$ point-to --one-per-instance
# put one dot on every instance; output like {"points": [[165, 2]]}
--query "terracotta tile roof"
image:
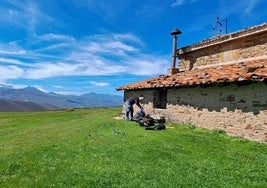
{"points": [[255, 71]]}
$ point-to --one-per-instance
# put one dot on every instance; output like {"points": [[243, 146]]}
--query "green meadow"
{"points": [[89, 148]]}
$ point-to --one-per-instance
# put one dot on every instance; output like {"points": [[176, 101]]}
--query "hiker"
{"points": [[129, 106]]}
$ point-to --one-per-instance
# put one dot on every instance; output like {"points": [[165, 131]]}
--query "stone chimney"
{"points": [[173, 69]]}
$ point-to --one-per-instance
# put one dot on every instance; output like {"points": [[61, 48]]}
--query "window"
{"points": [[160, 98]]}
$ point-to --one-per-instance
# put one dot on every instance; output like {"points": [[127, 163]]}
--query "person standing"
{"points": [[129, 106]]}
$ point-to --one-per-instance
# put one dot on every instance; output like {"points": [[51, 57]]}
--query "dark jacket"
{"points": [[134, 100]]}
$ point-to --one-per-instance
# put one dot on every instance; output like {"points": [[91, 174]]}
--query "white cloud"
{"points": [[10, 72], [57, 86], [119, 46], [69, 93], [32, 14], [96, 55], [48, 70], [11, 17], [58, 46], [23, 14], [10, 61], [181, 2], [14, 62], [127, 37], [148, 65], [11, 49], [111, 44], [53, 37], [177, 3], [99, 84], [51, 41]]}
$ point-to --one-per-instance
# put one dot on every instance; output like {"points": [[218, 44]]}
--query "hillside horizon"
{"points": [[13, 99]]}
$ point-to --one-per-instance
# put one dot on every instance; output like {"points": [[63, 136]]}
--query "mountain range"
{"points": [[30, 99]]}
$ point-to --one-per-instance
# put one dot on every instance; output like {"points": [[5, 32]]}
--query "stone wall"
{"points": [[241, 46], [245, 97], [240, 110]]}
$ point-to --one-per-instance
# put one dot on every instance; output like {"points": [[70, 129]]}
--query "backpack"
{"points": [[146, 121], [139, 115], [160, 126]]}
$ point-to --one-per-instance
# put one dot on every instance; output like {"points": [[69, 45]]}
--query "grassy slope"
{"points": [[87, 148]]}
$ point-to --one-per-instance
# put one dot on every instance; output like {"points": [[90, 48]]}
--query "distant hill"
{"points": [[10, 106], [53, 100]]}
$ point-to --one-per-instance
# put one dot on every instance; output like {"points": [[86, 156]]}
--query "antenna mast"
{"points": [[220, 23]]}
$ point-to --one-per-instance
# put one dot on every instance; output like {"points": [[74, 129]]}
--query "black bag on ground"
{"points": [[160, 126], [148, 121]]}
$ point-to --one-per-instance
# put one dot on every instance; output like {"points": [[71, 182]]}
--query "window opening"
{"points": [[160, 99]]}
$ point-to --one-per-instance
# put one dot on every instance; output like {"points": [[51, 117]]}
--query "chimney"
{"points": [[173, 69]]}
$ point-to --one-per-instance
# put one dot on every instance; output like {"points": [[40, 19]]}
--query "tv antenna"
{"points": [[219, 23]]}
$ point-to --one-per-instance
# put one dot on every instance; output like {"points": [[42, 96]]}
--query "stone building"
{"points": [[220, 83]]}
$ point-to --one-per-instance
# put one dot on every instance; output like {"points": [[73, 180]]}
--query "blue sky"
{"points": [[82, 46]]}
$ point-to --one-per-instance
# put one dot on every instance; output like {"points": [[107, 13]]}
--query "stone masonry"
{"points": [[215, 108], [245, 45]]}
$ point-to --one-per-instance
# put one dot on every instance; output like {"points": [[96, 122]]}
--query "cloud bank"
{"points": [[96, 55]]}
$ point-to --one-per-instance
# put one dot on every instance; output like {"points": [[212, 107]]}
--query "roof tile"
{"points": [[244, 71]]}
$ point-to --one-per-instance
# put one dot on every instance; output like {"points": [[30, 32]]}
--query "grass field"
{"points": [[87, 148]]}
